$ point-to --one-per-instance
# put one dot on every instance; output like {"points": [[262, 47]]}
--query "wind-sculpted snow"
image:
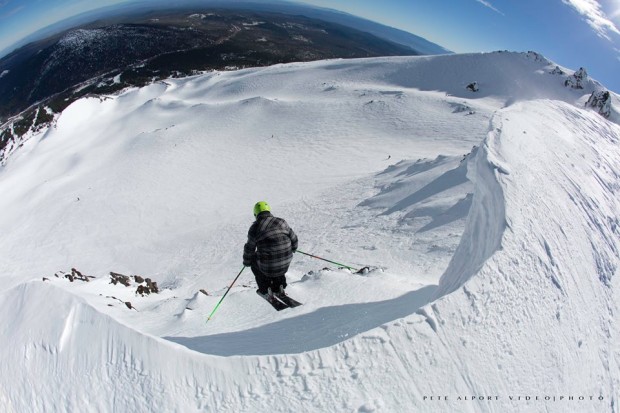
{"points": [[485, 224], [413, 188], [534, 282]]}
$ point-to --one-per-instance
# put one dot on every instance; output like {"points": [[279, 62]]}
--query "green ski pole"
{"points": [[333, 262], [224, 296]]}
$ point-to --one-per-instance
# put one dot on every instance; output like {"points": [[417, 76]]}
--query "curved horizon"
{"points": [[584, 34]]}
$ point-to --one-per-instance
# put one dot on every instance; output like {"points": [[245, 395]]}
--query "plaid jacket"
{"points": [[272, 242]]}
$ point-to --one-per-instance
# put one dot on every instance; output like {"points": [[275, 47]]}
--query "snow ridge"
{"points": [[547, 291], [485, 222]]}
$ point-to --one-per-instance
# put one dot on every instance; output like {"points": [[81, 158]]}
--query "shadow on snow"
{"points": [[322, 328]]}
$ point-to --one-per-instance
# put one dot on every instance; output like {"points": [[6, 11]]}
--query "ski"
{"points": [[291, 302], [275, 303]]}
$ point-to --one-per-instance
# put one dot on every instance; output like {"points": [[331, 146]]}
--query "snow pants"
{"points": [[265, 281]]}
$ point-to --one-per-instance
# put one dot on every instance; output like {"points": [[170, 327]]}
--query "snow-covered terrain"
{"points": [[490, 221]]}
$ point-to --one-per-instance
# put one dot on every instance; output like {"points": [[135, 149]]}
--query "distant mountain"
{"points": [[412, 41], [135, 49], [417, 43]]}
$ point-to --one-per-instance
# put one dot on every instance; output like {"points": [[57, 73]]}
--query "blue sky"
{"points": [[573, 33]]}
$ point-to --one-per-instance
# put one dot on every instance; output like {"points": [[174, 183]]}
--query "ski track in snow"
{"points": [[494, 272]]}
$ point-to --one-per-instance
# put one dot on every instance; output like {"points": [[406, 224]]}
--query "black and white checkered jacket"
{"points": [[272, 242]]}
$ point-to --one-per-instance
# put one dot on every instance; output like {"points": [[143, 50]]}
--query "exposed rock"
{"points": [[577, 79], [557, 71], [79, 276], [473, 87], [600, 100], [119, 278], [536, 56], [73, 275], [150, 287], [581, 74]]}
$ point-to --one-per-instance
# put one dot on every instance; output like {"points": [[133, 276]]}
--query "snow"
{"points": [[545, 274], [4, 73], [78, 37], [489, 219], [257, 23]]}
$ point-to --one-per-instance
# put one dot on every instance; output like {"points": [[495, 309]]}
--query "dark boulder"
{"points": [[473, 87], [577, 79], [601, 101]]}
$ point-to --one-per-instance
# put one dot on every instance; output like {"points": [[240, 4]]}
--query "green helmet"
{"points": [[261, 206]]}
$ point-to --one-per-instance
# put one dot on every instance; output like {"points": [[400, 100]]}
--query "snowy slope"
{"points": [[535, 291], [494, 268]]}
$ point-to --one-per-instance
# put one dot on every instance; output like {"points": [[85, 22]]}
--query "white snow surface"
{"points": [[490, 220]]}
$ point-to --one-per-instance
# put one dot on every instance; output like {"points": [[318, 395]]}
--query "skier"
{"points": [[269, 250]]}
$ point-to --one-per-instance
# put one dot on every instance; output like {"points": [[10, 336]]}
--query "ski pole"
{"points": [[224, 296], [333, 262]]}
